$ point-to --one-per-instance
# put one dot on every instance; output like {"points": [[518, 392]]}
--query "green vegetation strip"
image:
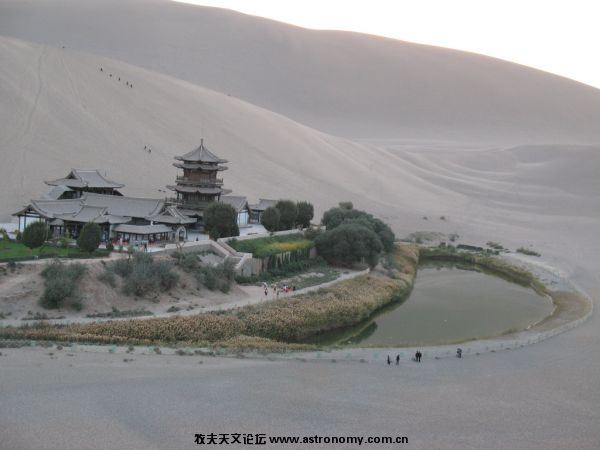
{"points": [[279, 324], [15, 251], [263, 247], [493, 265]]}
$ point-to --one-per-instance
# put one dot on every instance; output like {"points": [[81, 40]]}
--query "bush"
{"points": [[217, 277], [220, 219], [527, 251], [187, 261], [60, 284], [335, 217], [270, 219], [35, 234], [122, 267], [288, 213], [110, 247], [148, 276], [306, 212], [348, 244], [89, 238]]}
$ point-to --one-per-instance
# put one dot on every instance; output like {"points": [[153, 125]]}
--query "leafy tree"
{"points": [[306, 212], [348, 244], [271, 218], [35, 234], [346, 205], [288, 213], [89, 238], [220, 220], [335, 217]]}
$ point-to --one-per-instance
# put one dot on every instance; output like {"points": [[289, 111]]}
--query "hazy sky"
{"points": [[559, 36]]}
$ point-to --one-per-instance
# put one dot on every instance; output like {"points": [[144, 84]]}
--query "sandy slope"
{"points": [[347, 84], [60, 111]]}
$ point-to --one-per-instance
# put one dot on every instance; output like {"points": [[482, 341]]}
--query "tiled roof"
{"points": [[83, 178]]}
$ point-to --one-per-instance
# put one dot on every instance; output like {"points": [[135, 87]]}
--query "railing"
{"points": [[201, 181], [194, 205]]}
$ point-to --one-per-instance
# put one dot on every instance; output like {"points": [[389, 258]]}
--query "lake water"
{"points": [[449, 305]]}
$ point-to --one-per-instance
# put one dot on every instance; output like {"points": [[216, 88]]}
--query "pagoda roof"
{"points": [[199, 189], [201, 154], [202, 166], [84, 178]]}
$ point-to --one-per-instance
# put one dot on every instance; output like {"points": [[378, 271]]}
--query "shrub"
{"points": [[110, 247], [306, 213], [35, 234], [527, 251], [335, 217], [271, 218], [61, 283], [288, 213], [217, 277], [89, 238], [348, 244], [187, 261], [220, 219], [122, 267]]}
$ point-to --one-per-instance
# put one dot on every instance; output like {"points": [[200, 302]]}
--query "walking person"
{"points": [[418, 356], [397, 360], [459, 352], [389, 360]]}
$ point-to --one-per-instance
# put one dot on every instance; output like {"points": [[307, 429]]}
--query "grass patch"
{"points": [[15, 251], [493, 265], [115, 313], [268, 246]]}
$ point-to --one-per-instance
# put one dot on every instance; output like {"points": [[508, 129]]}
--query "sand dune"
{"points": [[61, 111], [347, 84]]}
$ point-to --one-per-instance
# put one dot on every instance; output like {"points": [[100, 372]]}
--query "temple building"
{"points": [[79, 181], [84, 196], [198, 186]]}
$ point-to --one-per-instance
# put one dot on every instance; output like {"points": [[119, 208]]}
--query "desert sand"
{"points": [[408, 132]]}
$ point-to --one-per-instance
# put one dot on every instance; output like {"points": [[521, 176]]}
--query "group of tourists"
{"points": [[277, 290], [418, 355], [417, 358]]}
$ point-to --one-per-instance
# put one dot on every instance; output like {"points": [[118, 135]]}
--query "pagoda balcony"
{"points": [[193, 204], [199, 182]]}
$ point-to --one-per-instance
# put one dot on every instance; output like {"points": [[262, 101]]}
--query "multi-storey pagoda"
{"points": [[199, 185]]}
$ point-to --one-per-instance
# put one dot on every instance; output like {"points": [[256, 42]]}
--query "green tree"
{"points": [[306, 212], [220, 220], [35, 234], [288, 214], [335, 217], [270, 219], [89, 238], [346, 205], [348, 244]]}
